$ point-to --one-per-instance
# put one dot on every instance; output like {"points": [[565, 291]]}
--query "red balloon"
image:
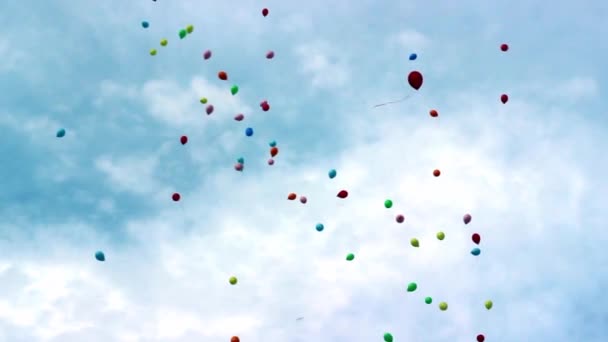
{"points": [[342, 194], [235, 339], [399, 218], [265, 12], [270, 55], [274, 151], [436, 173], [292, 196], [415, 79], [504, 47], [504, 98], [222, 75], [176, 197], [433, 113], [239, 117], [476, 238], [183, 139], [265, 107], [238, 167], [480, 338]]}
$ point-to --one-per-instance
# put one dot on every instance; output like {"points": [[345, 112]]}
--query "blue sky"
{"points": [[530, 172]]}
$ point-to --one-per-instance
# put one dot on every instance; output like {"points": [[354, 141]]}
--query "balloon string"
{"points": [[391, 102]]}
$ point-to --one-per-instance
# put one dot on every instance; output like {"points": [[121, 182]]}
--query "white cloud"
{"points": [[130, 174], [412, 40], [325, 64], [12, 58]]}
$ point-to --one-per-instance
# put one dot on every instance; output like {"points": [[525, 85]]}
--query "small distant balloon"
{"points": [[60, 133], [203, 100], [319, 227], [152, 52], [265, 106], [270, 161], [265, 11], [440, 236], [342, 194], [504, 98], [476, 238], [303, 199], [399, 218], [274, 151], [234, 90], [413, 57], [145, 24], [209, 109], [428, 300], [488, 304], [183, 139], [100, 256], [239, 117], [443, 306], [411, 287], [272, 143], [233, 280], [270, 54], [176, 197], [504, 47], [414, 242], [415, 79], [239, 167], [292, 196], [466, 218], [388, 337], [388, 204], [249, 131], [350, 257], [436, 173], [164, 42], [332, 174], [481, 338], [222, 75], [433, 113], [207, 54], [182, 34], [475, 251], [189, 28], [240, 160], [235, 339]]}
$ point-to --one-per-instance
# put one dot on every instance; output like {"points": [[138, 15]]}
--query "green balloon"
{"points": [[412, 287], [388, 204], [153, 52], [203, 100], [164, 42], [428, 300], [182, 34], [414, 242], [234, 89], [388, 337], [190, 28], [489, 304], [440, 236], [443, 306], [233, 280], [350, 257]]}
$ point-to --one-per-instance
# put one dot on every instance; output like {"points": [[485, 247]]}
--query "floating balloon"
{"points": [[388, 204], [466, 218], [476, 238], [209, 109], [414, 242], [271, 161], [476, 251], [504, 47], [443, 306], [153, 52], [60, 133], [504, 98], [350, 257], [388, 337], [342, 194], [303, 199], [176, 197], [164, 42], [203, 100], [428, 300], [265, 106], [270, 54], [235, 339], [440, 236], [249, 131], [239, 117], [274, 151], [207, 54], [415, 79], [241, 160], [411, 287], [413, 57], [189, 28], [100, 256], [222, 75], [145, 24], [332, 173], [436, 173], [319, 227], [182, 34], [481, 338], [233, 280], [265, 11], [399, 218], [234, 90], [239, 167], [183, 140], [292, 196], [272, 143], [433, 113], [488, 304]]}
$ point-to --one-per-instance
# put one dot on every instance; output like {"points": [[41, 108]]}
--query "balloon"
{"points": [[319, 227], [388, 204], [176, 197], [428, 300], [233, 280], [203, 100], [60, 133], [476, 251], [189, 28], [239, 117], [411, 287], [164, 42], [433, 113], [342, 194], [234, 89], [504, 47], [249, 131], [443, 306], [270, 54], [209, 109], [222, 75], [241, 160], [182, 34], [399, 218], [183, 139], [504, 98], [436, 173], [235, 339], [100, 256], [265, 106], [207, 54], [350, 257], [414, 242], [270, 161], [145, 24], [272, 143], [332, 173], [476, 238], [488, 304], [153, 52], [466, 218], [265, 11], [388, 337], [413, 57], [303, 199], [440, 236], [274, 151], [292, 196], [415, 79], [481, 338], [239, 167]]}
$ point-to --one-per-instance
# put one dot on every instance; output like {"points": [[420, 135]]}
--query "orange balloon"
{"points": [[274, 151], [235, 339], [433, 113], [222, 75], [292, 196]]}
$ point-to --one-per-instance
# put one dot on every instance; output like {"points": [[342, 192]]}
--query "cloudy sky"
{"points": [[531, 172]]}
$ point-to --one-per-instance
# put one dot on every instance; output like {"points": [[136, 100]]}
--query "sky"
{"points": [[530, 172]]}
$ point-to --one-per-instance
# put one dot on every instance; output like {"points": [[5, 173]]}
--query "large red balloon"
{"points": [[415, 79]]}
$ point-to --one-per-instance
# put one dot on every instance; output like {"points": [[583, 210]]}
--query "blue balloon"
{"points": [[249, 131], [100, 256], [145, 24], [61, 133], [476, 251], [319, 227], [272, 143], [332, 173], [241, 160], [413, 57]]}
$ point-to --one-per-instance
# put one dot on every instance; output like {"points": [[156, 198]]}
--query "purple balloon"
{"points": [[239, 117], [466, 218], [207, 54], [270, 161], [238, 167], [209, 109], [270, 54], [303, 199]]}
